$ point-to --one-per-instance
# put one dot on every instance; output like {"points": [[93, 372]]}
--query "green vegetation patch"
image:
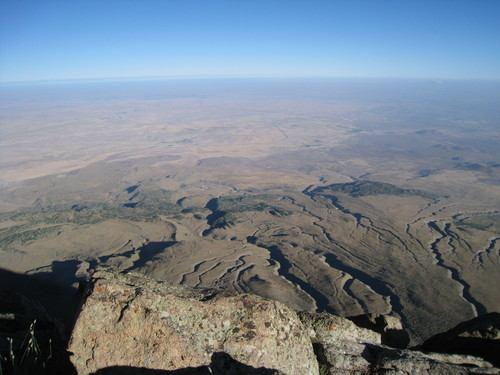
{"points": [[150, 207], [363, 188], [39, 222], [246, 203], [224, 220], [225, 210], [487, 222], [20, 234]]}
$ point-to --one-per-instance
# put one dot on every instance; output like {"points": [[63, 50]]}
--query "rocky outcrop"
{"points": [[479, 336], [132, 321], [129, 322]]}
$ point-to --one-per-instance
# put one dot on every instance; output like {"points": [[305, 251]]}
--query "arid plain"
{"points": [[348, 196]]}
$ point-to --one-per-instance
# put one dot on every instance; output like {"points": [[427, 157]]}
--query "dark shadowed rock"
{"points": [[479, 336], [394, 361], [344, 348]]}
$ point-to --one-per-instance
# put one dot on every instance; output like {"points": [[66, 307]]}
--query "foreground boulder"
{"points": [[131, 324], [135, 322]]}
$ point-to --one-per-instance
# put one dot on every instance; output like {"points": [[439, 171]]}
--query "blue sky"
{"points": [[46, 40]]}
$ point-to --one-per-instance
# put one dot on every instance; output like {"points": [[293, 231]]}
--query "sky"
{"points": [[64, 40]]}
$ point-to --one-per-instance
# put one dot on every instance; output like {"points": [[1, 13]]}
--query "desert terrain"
{"points": [[346, 196]]}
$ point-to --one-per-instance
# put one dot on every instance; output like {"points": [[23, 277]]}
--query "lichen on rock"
{"points": [[128, 320]]}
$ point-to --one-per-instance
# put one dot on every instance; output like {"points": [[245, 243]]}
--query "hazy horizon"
{"points": [[131, 79]]}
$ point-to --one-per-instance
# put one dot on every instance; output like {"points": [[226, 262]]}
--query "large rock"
{"points": [[132, 321], [131, 324], [479, 336]]}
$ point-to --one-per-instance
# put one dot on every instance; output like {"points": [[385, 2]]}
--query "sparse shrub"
{"points": [[28, 358]]}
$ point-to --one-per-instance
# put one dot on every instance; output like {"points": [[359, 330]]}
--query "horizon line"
{"points": [[222, 76]]}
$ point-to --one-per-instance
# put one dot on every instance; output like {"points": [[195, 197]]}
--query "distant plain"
{"points": [[349, 196]]}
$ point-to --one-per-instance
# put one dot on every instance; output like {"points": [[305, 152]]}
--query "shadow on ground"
{"points": [[221, 364]]}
